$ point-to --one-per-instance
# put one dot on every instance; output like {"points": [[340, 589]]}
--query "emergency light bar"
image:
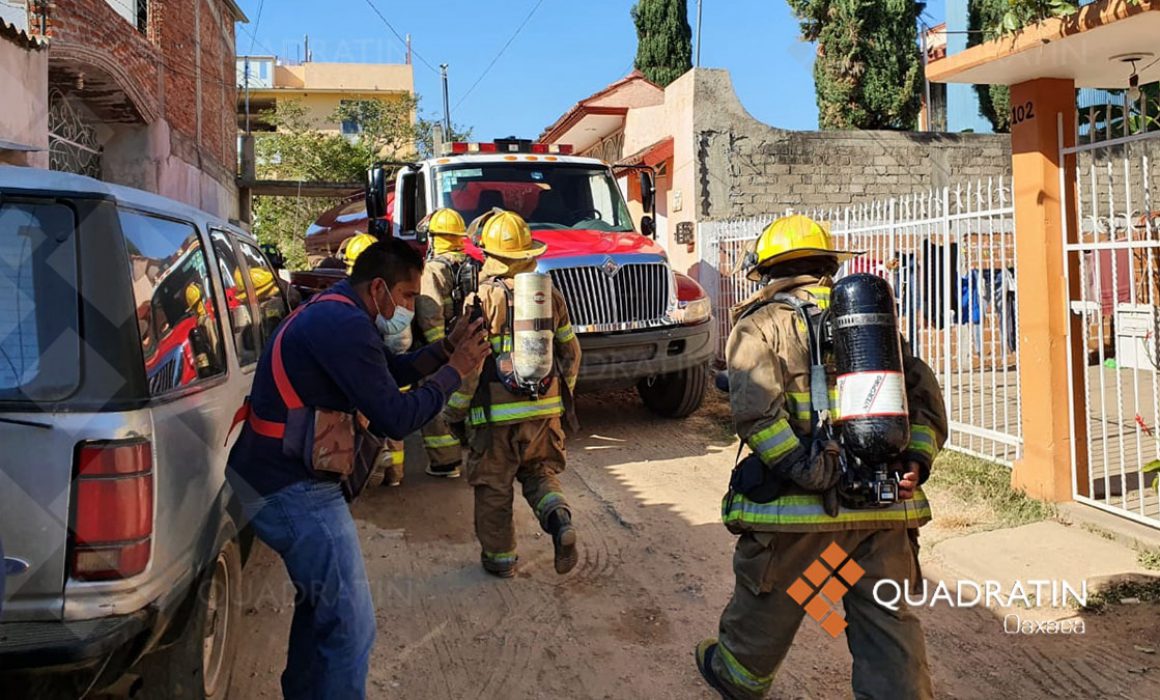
{"points": [[459, 148]]}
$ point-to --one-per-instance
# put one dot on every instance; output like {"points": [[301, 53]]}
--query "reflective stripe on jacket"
{"points": [[434, 307]]}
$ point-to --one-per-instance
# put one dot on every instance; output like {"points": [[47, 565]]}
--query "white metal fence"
{"points": [[950, 256], [1112, 264]]}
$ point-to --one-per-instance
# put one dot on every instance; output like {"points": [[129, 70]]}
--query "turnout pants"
{"points": [[443, 449], [532, 453], [759, 624]]}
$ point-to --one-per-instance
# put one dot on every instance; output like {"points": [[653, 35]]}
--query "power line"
{"points": [[400, 37], [501, 52], [257, 24]]}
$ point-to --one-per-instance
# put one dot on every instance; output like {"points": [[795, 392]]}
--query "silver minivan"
{"points": [[130, 327]]}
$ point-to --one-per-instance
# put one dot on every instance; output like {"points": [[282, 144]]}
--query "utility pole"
{"points": [[246, 73], [408, 49], [698, 63], [928, 112], [446, 102]]}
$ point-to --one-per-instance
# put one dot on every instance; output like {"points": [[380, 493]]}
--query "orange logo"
{"points": [[823, 584]]}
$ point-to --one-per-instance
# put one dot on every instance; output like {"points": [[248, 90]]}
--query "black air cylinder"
{"points": [[871, 404]]}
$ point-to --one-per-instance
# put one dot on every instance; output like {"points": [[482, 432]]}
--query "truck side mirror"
{"points": [[648, 227], [647, 191], [376, 197]]}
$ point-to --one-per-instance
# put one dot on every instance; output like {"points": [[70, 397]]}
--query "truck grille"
{"points": [[165, 377], [634, 296]]}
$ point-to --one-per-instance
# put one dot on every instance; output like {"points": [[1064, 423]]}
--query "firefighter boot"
{"points": [[563, 539], [499, 565], [704, 654]]}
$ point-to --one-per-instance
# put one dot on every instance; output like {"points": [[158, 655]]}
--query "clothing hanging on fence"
{"points": [[1104, 286], [938, 283]]}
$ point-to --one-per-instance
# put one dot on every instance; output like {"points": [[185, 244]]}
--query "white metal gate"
{"points": [[1116, 253], [950, 256]]}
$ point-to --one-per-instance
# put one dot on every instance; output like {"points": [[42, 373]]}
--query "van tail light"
{"points": [[112, 510]]}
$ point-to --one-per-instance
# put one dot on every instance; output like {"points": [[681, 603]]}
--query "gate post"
{"points": [[1045, 208]]}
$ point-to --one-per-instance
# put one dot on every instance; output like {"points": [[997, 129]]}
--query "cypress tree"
{"points": [[664, 49], [868, 71]]}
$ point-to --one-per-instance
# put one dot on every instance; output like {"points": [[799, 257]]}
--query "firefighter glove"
{"points": [[819, 471]]}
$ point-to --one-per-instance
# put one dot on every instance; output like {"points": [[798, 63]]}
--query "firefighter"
{"points": [[448, 278], [354, 246], [514, 436], [391, 458], [784, 530]]}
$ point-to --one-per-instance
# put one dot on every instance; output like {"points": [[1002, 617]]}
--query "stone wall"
{"points": [[747, 168]]}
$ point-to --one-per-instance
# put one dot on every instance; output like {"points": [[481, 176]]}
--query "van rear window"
{"points": [[40, 348]]}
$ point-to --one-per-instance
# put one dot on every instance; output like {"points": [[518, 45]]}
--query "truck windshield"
{"points": [[547, 195], [39, 343]]}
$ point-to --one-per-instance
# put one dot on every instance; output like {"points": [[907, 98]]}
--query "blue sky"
{"points": [[567, 51]]}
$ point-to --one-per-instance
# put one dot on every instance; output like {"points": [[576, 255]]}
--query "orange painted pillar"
{"points": [[1045, 471]]}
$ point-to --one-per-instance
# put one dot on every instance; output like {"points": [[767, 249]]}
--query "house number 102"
{"points": [[1022, 113]]}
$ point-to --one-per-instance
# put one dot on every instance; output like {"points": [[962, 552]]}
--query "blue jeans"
{"points": [[309, 525]]}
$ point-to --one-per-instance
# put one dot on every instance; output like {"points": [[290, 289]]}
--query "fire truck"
{"points": [[640, 323]]}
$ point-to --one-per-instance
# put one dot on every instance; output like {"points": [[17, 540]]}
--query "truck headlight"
{"points": [[693, 305], [689, 313]]}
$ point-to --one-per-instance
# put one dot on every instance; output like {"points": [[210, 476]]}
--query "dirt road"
{"points": [[654, 576]]}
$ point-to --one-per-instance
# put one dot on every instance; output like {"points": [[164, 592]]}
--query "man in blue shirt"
{"points": [[334, 358]]}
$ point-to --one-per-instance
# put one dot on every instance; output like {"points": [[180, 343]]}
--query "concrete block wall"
{"points": [[748, 168]]}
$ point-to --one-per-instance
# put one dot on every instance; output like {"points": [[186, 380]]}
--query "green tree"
{"points": [[991, 19], [984, 20], [299, 151], [868, 71], [664, 50]]}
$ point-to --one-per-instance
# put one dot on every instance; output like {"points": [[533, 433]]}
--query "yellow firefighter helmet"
{"points": [[447, 222], [354, 248], [192, 296], [792, 238], [506, 235]]}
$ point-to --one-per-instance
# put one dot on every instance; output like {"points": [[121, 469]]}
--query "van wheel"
{"points": [[677, 394], [200, 663]]}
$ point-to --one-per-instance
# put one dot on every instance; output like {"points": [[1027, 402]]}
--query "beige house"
{"points": [[320, 87]]}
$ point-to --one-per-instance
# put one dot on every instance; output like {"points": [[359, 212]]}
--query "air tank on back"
{"points": [[532, 327], [872, 406]]}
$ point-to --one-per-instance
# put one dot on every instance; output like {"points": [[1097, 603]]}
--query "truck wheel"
{"points": [[677, 394], [199, 664]]}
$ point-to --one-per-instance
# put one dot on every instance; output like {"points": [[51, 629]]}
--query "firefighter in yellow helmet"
{"points": [[514, 431], [389, 462], [448, 277], [355, 245], [783, 499]]}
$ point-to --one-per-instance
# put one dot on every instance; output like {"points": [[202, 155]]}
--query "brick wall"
{"points": [[176, 80], [746, 168]]}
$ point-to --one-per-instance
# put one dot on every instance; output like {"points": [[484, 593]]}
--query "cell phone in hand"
{"points": [[476, 312]]}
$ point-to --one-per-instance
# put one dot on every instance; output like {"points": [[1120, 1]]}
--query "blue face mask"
{"points": [[399, 321]]}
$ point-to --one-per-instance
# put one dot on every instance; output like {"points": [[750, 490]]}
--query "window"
{"points": [[550, 196], [415, 195], [176, 314], [40, 349], [240, 311], [267, 292], [350, 125]]}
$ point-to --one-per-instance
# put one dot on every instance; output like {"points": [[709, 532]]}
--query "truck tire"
{"points": [[198, 666], [677, 394]]}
